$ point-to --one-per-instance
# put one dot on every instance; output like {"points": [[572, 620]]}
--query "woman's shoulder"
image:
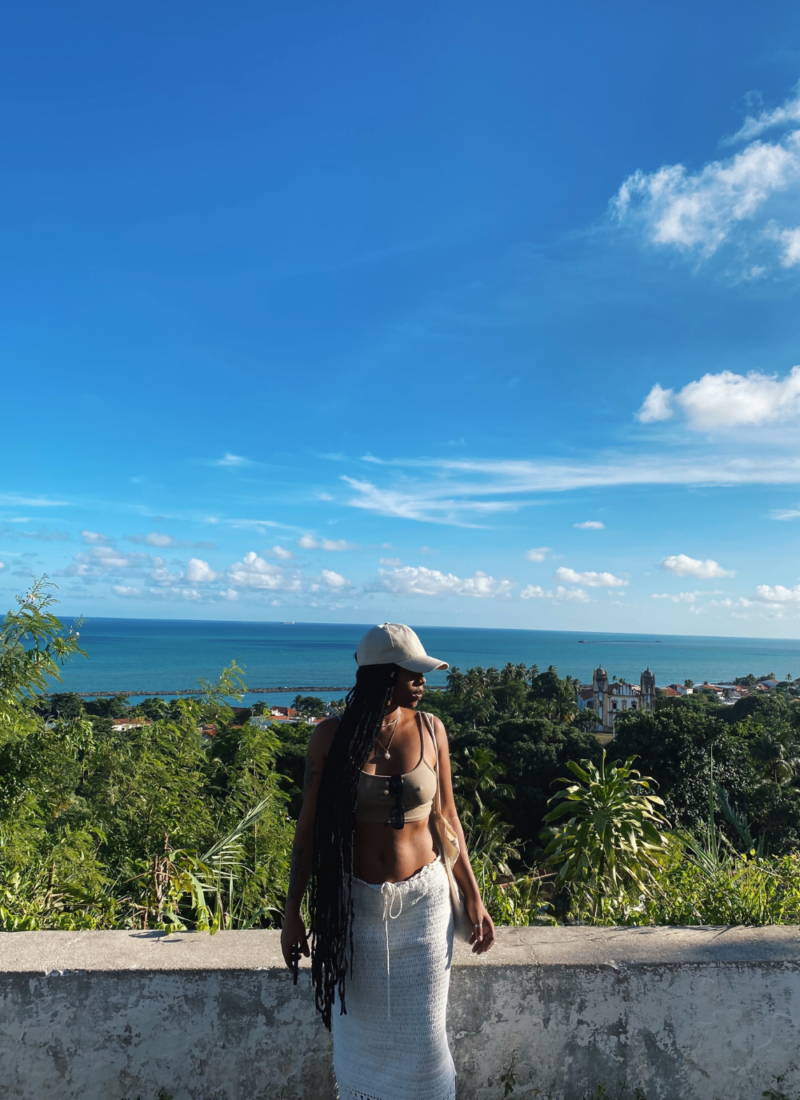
{"points": [[324, 732]]}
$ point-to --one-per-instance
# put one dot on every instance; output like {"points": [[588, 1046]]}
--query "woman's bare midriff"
{"points": [[384, 854]]}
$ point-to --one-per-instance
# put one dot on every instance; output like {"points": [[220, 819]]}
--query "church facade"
{"points": [[609, 700]]}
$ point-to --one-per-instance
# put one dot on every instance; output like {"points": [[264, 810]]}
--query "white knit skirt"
{"points": [[392, 1042]]}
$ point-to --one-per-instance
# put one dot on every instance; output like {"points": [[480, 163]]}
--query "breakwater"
{"points": [[303, 688]]}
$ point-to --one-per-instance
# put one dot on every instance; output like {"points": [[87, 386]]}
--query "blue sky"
{"points": [[449, 313]]}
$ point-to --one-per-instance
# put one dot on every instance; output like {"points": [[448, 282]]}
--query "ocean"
{"points": [[147, 655]]}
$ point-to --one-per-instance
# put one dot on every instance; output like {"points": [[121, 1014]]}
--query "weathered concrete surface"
{"points": [[685, 1014]]}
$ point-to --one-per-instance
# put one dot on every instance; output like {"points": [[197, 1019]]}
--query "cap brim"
{"points": [[422, 664]]}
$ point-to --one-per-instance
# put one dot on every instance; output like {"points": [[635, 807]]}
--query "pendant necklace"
{"points": [[387, 755]]}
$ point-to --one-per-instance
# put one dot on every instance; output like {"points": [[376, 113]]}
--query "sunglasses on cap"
{"points": [[397, 815]]}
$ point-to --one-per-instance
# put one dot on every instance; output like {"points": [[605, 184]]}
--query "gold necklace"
{"points": [[387, 755]]}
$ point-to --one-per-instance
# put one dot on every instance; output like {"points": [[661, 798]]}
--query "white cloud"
{"points": [[728, 400], [392, 561], [127, 590], [778, 594], [199, 571], [785, 115], [785, 513], [538, 553], [12, 500], [334, 580], [94, 538], [232, 460], [335, 545], [162, 576], [2, 565], [229, 594], [700, 211], [790, 239], [590, 525], [309, 542], [411, 580], [254, 572], [685, 597], [102, 560], [256, 524], [281, 552], [174, 593], [684, 566], [155, 538], [590, 579], [656, 405], [164, 542], [558, 595]]}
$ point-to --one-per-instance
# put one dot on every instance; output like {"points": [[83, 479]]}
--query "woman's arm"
{"points": [[293, 931], [483, 935]]}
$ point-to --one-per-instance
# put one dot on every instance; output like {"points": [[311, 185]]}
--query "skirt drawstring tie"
{"points": [[389, 892]]}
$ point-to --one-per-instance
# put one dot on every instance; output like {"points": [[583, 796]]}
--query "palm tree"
{"points": [[480, 776], [776, 756], [455, 681]]}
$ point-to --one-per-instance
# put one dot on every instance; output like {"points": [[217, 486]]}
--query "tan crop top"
{"points": [[419, 789]]}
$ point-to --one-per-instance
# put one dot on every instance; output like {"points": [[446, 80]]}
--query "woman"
{"points": [[381, 914]]}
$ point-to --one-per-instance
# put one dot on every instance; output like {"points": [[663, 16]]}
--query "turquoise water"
{"points": [[145, 655]]}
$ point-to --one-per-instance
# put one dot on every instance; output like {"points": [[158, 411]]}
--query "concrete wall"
{"points": [[685, 1014]]}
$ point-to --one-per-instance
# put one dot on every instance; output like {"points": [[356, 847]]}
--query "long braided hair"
{"points": [[330, 895]]}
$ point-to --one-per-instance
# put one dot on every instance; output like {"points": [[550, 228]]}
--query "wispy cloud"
{"points": [[538, 553], [590, 525], [12, 500], [727, 200], [785, 513], [164, 542], [44, 534], [427, 503], [232, 461], [754, 126], [460, 490]]}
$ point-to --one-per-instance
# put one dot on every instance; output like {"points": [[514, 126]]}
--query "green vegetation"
{"points": [[155, 826], [184, 818]]}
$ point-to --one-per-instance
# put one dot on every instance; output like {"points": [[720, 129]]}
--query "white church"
{"points": [[608, 700]]}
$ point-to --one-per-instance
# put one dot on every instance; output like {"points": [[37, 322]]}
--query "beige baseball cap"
{"points": [[395, 644]]}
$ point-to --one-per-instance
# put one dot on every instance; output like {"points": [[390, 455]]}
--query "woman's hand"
{"points": [[293, 932], [483, 933]]}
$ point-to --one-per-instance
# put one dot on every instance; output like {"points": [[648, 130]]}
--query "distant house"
{"points": [[122, 725], [283, 712], [680, 689], [769, 684], [672, 692]]}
